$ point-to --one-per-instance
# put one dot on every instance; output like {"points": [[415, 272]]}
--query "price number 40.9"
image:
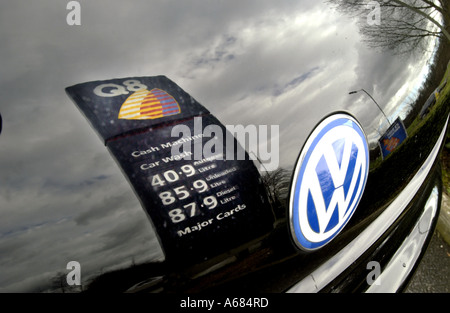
{"points": [[171, 176]]}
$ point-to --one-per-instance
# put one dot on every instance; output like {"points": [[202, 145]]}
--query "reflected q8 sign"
{"points": [[201, 204]]}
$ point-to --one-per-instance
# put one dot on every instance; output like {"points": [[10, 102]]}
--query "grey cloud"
{"points": [[295, 82], [105, 208]]}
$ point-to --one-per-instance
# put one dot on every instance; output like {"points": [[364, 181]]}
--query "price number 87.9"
{"points": [[191, 209]]}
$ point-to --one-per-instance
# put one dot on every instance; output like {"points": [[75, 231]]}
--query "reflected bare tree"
{"points": [[400, 26], [277, 185]]}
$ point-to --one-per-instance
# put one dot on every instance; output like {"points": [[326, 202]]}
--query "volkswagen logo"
{"points": [[328, 181]]}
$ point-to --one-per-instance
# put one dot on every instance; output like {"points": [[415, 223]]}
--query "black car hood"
{"points": [[63, 198]]}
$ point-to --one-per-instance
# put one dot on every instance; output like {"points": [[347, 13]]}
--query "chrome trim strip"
{"points": [[328, 271], [402, 263]]}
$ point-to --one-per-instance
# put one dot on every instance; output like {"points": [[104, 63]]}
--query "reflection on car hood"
{"points": [[63, 198]]}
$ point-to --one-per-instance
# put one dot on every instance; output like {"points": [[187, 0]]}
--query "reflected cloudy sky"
{"points": [[267, 61]]}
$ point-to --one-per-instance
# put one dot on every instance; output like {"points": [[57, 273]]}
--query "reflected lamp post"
{"points": [[356, 91]]}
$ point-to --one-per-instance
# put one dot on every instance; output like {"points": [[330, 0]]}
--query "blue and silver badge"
{"points": [[329, 181]]}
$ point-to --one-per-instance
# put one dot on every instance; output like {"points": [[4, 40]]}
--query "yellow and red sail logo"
{"points": [[153, 104]]}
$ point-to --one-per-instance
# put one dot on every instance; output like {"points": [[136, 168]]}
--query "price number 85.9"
{"points": [[168, 197]]}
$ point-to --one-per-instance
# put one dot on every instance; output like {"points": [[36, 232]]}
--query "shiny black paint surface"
{"points": [[355, 278], [63, 197]]}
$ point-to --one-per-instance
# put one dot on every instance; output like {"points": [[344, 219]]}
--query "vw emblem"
{"points": [[328, 181]]}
